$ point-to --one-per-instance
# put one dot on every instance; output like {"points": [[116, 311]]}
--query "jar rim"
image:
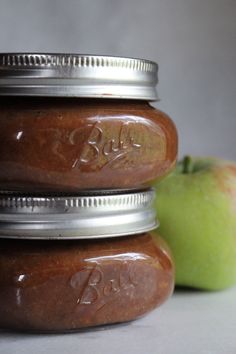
{"points": [[77, 217], [77, 75]]}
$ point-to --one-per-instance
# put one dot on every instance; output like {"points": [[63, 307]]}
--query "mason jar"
{"points": [[70, 122], [72, 262]]}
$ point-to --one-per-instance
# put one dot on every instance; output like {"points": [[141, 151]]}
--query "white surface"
{"points": [[191, 322]]}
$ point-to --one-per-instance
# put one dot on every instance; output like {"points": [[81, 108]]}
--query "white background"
{"points": [[194, 42]]}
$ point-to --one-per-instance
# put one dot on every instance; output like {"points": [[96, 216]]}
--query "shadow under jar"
{"points": [[49, 283], [73, 122]]}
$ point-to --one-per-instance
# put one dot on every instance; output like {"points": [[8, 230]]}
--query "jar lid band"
{"points": [[70, 217], [77, 75]]}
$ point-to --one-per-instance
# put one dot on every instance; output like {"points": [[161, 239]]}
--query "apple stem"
{"points": [[187, 164]]}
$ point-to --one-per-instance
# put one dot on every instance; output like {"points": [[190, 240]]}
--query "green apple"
{"points": [[196, 207]]}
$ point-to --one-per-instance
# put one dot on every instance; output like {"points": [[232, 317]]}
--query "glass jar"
{"points": [[50, 283], [68, 285], [74, 122]]}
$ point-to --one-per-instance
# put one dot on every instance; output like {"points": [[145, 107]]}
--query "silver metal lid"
{"points": [[80, 217], [77, 75]]}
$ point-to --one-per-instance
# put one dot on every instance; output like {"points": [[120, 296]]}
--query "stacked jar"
{"points": [[80, 146]]}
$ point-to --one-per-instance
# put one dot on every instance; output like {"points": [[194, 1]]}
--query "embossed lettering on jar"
{"points": [[92, 140]]}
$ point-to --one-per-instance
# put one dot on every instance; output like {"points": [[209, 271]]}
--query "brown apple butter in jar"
{"points": [[74, 122], [68, 263]]}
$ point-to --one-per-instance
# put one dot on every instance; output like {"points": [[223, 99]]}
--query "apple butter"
{"points": [[68, 285], [80, 146], [74, 122], [64, 265]]}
